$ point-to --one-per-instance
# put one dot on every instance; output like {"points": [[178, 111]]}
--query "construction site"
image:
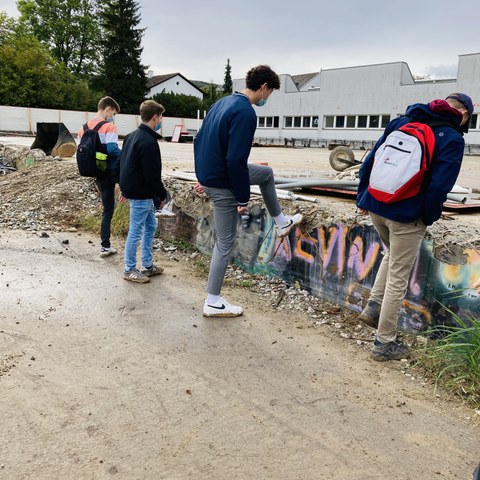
{"points": [[101, 378]]}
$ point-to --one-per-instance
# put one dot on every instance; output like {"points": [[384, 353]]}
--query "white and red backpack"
{"points": [[401, 163]]}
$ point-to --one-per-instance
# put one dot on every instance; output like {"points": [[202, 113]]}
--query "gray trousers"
{"points": [[403, 242], [225, 216]]}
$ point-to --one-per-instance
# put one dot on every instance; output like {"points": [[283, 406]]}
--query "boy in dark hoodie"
{"points": [[401, 225]]}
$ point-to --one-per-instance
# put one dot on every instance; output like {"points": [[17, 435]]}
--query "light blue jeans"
{"points": [[143, 225]]}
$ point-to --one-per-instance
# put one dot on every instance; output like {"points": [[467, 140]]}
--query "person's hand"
{"points": [[477, 285], [198, 188], [242, 209], [362, 211], [121, 198]]}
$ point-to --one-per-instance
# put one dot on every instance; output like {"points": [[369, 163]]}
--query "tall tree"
{"points": [[123, 76], [69, 29], [31, 77], [227, 83]]}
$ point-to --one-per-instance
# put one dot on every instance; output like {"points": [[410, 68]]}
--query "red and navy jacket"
{"points": [[440, 179]]}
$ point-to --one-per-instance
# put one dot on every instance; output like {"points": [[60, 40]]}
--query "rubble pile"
{"points": [[47, 194]]}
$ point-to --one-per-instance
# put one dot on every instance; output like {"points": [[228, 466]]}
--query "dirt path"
{"points": [[100, 378]]}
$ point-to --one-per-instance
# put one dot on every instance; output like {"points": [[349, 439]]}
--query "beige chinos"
{"points": [[402, 242]]}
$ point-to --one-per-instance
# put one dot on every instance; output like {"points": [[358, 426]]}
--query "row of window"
{"points": [[356, 121], [288, 122], [330, 121], [339, 121]]}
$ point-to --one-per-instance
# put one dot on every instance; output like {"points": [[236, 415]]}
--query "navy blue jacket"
{"points": [[141, 165], [445, 167], [223, 145]]}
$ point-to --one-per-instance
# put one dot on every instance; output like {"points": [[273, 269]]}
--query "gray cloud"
{"points": [[196, 38]]}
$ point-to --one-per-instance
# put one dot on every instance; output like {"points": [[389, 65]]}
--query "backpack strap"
{"points": [[99, 125], [96, 128]]}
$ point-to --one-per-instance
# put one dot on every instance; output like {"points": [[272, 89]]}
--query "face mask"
{"points": [[158, 126], [261, 102], [110, 120]]}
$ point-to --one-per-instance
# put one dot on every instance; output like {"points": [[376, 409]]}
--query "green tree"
{"points": [[227, 83], [179, 105], [31, 77], [123, 75], [69, 29], [8, 27]]}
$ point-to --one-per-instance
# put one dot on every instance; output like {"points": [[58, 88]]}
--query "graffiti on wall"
{"points": [[339, 263]]}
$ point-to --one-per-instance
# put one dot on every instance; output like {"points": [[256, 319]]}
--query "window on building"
{"points": [[269, 122], [276, 122], [362, 121], [329, 121], [297, 122], [385, 120], [473, 122], [288, 122], [315, 121], [374, 121], [351, 121], [261, 122], [339, 121], [306, 122]]}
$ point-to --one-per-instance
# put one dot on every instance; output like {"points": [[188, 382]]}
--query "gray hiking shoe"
{"points": [[370, 314], [135, 276], [395, 350], [152, 271]]}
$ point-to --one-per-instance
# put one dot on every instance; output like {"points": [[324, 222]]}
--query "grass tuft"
{"points": [[454, 358]]}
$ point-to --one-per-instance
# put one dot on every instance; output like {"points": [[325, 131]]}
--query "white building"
{"points": [[352, 105], [172, 83]]}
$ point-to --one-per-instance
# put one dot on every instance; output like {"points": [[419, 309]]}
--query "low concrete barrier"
{"points": [[338, 262]]}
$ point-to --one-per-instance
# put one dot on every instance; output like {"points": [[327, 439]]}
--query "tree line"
{"points": [[66, 54]]}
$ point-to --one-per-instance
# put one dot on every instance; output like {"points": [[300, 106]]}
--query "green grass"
{"points": [[454, 359], [119, 225]]}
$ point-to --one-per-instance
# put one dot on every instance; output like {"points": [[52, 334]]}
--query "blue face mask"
{"points": [[261, 102], [158, 126], [110, 120]]}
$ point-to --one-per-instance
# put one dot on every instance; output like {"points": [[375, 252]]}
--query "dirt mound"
{"points": [[49, 195]]}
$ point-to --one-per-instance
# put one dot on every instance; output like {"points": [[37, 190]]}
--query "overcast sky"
{"points": [[196, 37]]}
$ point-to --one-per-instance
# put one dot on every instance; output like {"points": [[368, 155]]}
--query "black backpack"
{"points": [[91, 152]]}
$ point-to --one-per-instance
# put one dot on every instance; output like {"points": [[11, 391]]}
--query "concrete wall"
{"points": [[339, 262], [23, 119]]}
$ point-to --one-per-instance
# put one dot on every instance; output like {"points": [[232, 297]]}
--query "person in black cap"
{"points": [[401, 222]]}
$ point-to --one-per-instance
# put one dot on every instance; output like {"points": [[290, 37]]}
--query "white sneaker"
{"points": [[221, 309], [292, 222], [164, 212], [107, 251]]}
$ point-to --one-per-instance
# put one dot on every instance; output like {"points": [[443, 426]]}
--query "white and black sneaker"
{"points": [[107, 251], [292, 222], [221, 309]]}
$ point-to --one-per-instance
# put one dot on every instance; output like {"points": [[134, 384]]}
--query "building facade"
{"points": [[352, 105], [172, 83]]}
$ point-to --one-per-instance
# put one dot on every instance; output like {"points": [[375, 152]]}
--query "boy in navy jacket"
{"points": [[401, 225]]}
